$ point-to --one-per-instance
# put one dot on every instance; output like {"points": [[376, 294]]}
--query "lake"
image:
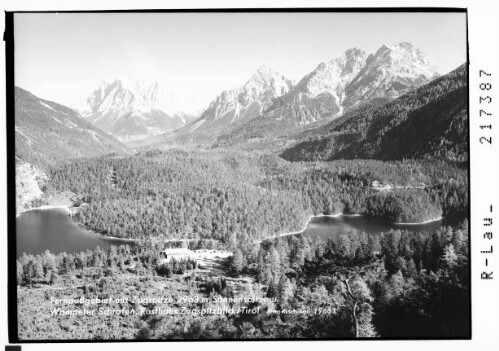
{"points": [[53, 230], [331, 227]]}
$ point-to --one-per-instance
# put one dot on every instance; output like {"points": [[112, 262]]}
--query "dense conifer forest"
{"points": [[236, 197]]}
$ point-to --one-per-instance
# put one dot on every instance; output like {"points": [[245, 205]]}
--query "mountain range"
{"points": [[356, 105], [269, 104], [133, 110]]}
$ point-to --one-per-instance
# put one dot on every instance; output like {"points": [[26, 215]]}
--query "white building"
{"points": [[176, 254]]}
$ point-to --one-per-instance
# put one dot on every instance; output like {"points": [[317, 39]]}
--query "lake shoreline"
{"points": [[71, 210], [420, 223], [46, 207], [63, 200], [103, 236], [304, 228], [346, 215], [54, 230]]}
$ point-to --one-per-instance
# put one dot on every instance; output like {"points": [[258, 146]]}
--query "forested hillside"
{"points": [[429, 121], [237, 197]]}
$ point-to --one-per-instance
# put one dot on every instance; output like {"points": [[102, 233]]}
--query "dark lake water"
{"points": [[332, 227], [53, 230]]}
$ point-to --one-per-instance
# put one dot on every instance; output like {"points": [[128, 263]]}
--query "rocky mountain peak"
{"points": [[266, 78], [122, 94], [389, 73], [329, 77], [404, 53], [265, 72], [353, 60], [245, 102], [132, 110]]}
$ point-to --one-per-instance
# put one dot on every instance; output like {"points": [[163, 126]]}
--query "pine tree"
{"points": [[285, 290], [54, 277], [449, 258], [19, 273], [274, 264], [29, 272], [38, 269], [344, 246], [411, 268], [237, 261]]}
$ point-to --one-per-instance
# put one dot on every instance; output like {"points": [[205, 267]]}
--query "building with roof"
{"points": [[176, 254]]}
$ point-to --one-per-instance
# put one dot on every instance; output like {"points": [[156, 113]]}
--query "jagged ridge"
{"points": [[133, 110]]}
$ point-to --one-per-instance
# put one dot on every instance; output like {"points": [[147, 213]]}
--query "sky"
{"points": [[65, 57]]}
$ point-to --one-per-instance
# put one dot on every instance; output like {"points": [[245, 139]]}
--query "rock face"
{"points": [[28, 181], [47, 133], [134, 110], [352, 79], [389, 73], [322, 91], [242, 104]]}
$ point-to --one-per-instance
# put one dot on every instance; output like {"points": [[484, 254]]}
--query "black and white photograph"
{"points": [[240, 175]]}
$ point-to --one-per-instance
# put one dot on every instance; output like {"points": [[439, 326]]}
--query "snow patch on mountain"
{"points": [[196, 125], [46, 105]]}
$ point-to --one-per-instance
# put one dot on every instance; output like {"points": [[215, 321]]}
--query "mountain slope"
{"points": [[134, 110], [46, 132], [324, 86], [237, 106], [431, 120]]}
